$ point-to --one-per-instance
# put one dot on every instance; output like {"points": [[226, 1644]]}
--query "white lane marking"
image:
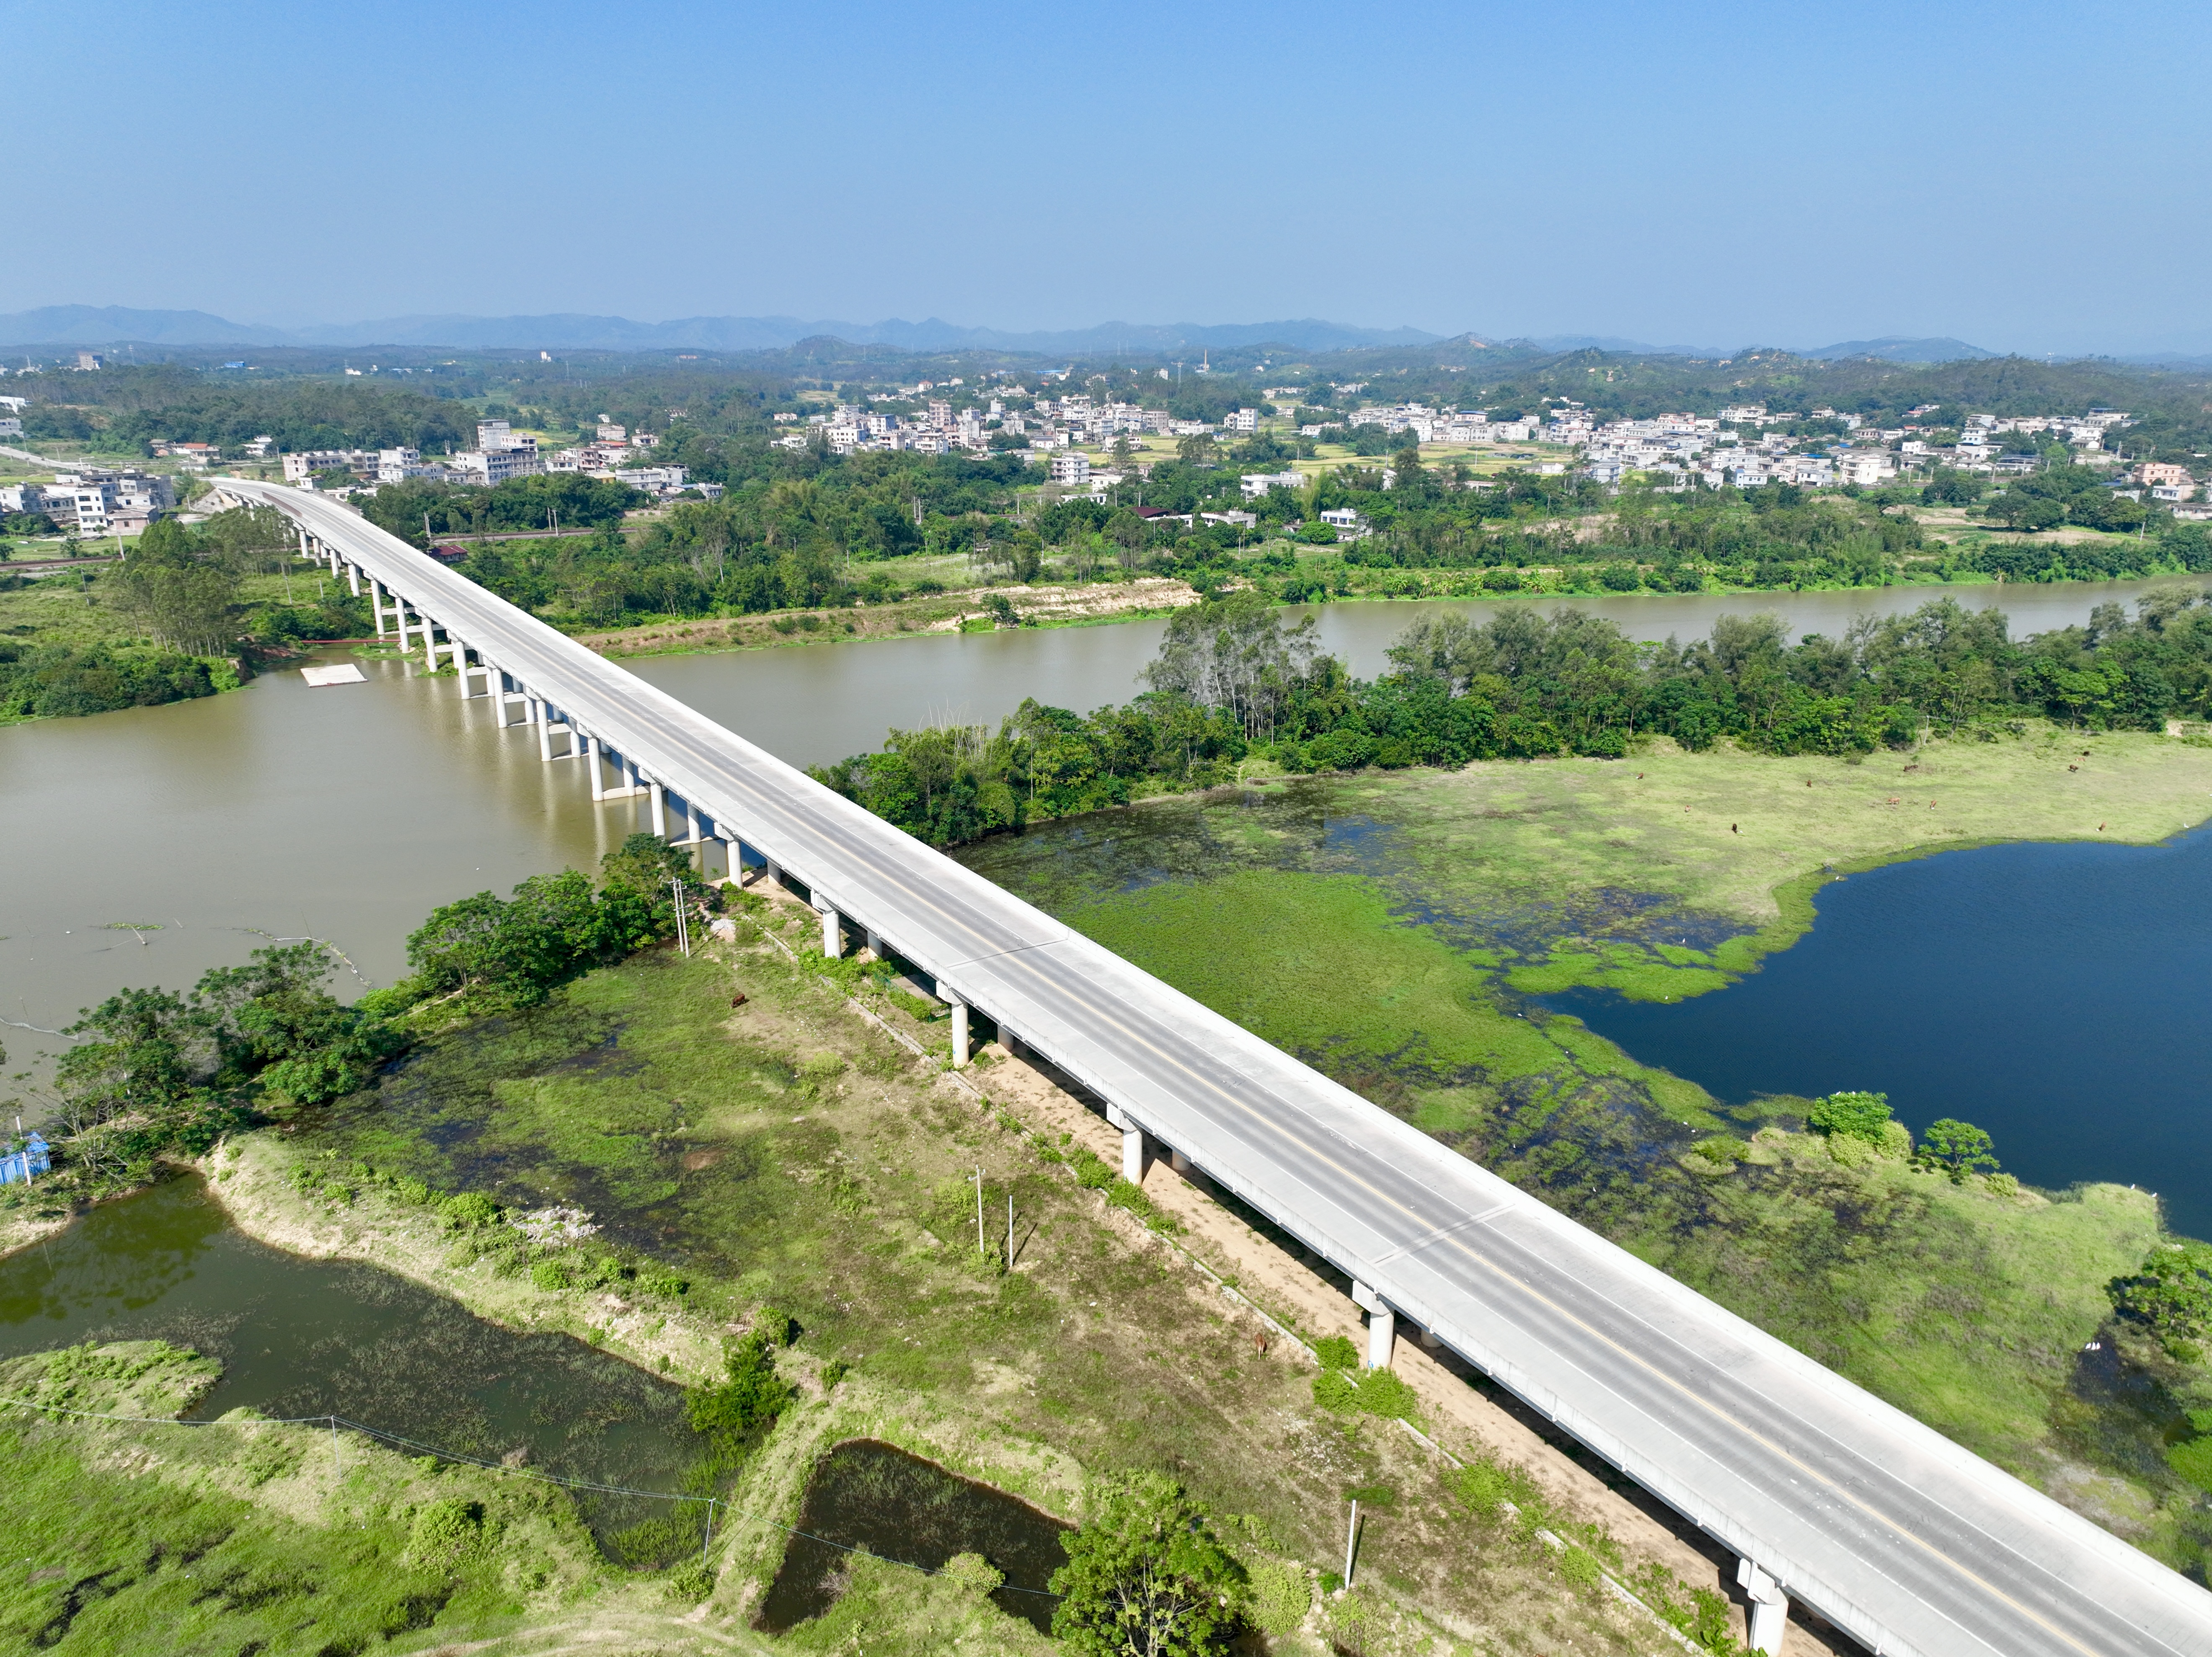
{"points": [[1443, 1231], [784, 808]]}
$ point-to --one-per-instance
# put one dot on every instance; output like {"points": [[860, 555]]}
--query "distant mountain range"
{"points": [[85, 324], [111, 324]]}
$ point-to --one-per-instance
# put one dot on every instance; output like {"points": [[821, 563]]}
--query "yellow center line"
{"points": [[957, 924]]}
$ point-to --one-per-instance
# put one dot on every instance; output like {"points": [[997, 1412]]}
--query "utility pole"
{"points": [[979, 1210], [1009, 1225], [1351, 1542], [682, 932]]}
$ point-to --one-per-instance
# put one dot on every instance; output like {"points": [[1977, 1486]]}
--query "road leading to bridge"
{"points": [[1889, 1529]]}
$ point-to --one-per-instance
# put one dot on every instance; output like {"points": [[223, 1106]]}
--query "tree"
{"points": [[1145, 1576], [1197, 449], [1233, 653], [2019, 511], [1955, 1147], [173, 587], [2171, 1295], [1851, 1115]]}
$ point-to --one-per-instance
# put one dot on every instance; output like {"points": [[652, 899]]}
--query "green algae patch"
{"points": [[1625, 968], [1318, 964]]}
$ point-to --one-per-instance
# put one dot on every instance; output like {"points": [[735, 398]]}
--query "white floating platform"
{"points": [[336, 673]]}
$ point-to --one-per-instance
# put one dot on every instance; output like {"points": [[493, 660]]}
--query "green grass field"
{"points": [[1386, 928]]}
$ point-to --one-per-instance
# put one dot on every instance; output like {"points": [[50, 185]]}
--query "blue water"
{"points": [[2058, 996]]}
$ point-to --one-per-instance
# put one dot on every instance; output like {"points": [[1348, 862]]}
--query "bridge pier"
{"points": [[353, 578], [376, 603], [430, 644], [691, 832], [1770, 1607], [592, 762], [1382, 1325], [959, 1031], [1135, 1151], [733, 861], [659, 812], [538, 713], [833, 930]]}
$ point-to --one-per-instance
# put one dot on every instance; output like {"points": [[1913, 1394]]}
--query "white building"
{"points": [[1241, 420], [488, 467], [11, 426], [653, 480], [1072, 468], [1256, 484], [302, 466], [1865, 467], [94, 500]]}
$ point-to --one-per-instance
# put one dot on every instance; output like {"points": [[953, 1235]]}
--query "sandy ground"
{"points": [[1461, 1417], [948, 612]]}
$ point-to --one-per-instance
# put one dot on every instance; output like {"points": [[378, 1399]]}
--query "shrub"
{"points": [[1337, 1352], [470, 1210], [1280, 1597], [974, 1573], [445, 1533]]}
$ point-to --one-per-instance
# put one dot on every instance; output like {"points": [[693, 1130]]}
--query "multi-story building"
{"points": [[1256, 484], [303, 466], [1073, 468], [1241, 420], [2155, 472], [488, 467], [95, 501]]}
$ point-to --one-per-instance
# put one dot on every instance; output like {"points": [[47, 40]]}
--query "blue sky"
{"points": [[2027, 176]]}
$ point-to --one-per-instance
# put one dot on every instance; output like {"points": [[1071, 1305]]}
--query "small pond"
{"points": [[299, 1337], [2055, 995], [872, 1497]]}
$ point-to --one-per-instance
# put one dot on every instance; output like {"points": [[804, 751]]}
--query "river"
{"points": [[347, 813]]}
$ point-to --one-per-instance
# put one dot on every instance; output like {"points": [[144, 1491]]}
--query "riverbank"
{"points": [[1449, 899], [955, 611]]}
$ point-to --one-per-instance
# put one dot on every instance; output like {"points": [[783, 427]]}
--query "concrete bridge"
{"points": [[1824, 1493]]}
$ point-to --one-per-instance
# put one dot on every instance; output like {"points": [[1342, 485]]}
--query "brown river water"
{"points": [[347, 813]]}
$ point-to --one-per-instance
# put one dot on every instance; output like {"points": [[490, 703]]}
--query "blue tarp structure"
{"points": [[18, 1166]]}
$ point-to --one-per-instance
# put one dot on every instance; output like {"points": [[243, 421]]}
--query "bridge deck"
{"points": [[1891, 1532]]}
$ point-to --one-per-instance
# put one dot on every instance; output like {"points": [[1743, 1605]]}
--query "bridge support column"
{"points": [[502, 691], [874, 944], [400, 620], [1382, 1325], [833, 930], [733, 861], [629, 774], [1178, 1162], [430, 644], [1135, 1151], [539, 712], [592, 762], [959, 1033], [353, 579], [376, 603], [659, 812], [772, 871], [1770, 1607], [691, 830]]}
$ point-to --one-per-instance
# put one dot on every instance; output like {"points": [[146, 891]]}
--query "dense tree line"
{"points": [[129, 407], [153, 1073], [179, 593], [1233, 683]]}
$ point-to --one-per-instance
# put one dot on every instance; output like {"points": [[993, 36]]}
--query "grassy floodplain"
{"points": [[1387, 927], [785, 1153]]}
